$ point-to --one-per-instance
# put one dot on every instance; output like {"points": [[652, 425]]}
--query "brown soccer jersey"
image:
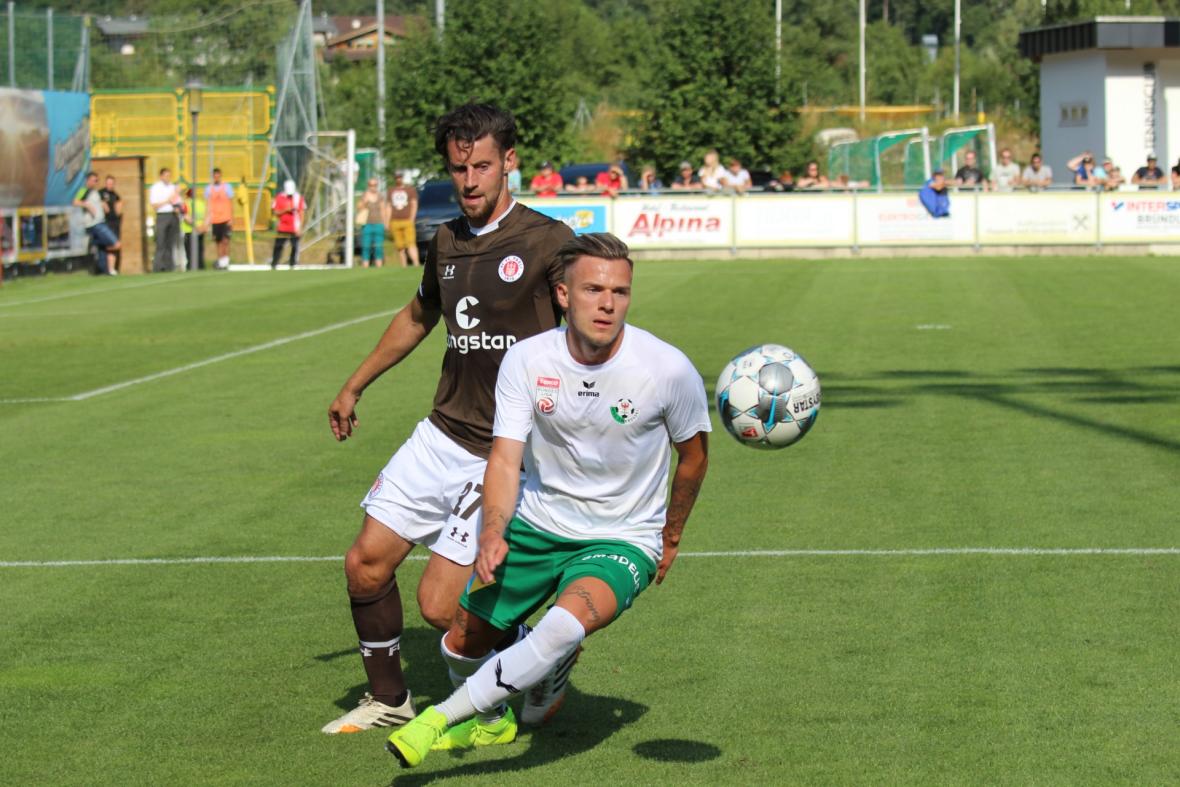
{"points": [[493, 290]]}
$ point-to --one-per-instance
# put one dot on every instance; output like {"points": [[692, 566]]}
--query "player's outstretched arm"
{"points": [[406, 331], [692, 460], [501, 484]]}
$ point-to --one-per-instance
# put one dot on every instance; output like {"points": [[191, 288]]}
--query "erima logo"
{"points": [[587, 385], [465, 321]]}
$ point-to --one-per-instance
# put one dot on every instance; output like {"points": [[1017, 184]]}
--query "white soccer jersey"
{"points": [[598, 437]]}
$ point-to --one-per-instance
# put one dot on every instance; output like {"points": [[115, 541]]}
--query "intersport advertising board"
{"points": [[1140, 218]]}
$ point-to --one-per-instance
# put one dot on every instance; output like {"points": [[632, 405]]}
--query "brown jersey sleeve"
{"points": [[428, 290]]}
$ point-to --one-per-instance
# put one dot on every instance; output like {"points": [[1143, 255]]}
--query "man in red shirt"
{"points": [[288, 207], [547, 183], [612, 181]]}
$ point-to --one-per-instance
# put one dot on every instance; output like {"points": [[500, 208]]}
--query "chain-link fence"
{"points": [[43, 50]]}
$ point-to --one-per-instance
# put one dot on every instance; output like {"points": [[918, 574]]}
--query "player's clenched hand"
{"points": [[670, 551], [342, 415], [492, 549]]}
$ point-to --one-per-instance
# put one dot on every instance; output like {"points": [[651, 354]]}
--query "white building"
{"points": [[1110, 85]]}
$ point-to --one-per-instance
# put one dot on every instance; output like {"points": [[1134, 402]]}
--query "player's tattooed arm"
{"points": [[691, 465]]}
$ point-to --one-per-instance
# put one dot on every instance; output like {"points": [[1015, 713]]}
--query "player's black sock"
{"points": [[378, 621], [513, 636]]}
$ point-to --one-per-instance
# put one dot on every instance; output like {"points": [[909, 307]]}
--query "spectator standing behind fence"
{"points": [[1085, 171], [1176, 176], [187, 222], [712, 174], [219, 197], [164, 198], [686, 179], [403, 212], [288, 207], [1037, 175], [1006, 175], [970, 175], [546, 183], [105, 244], [933, 196], [581, 185], [612, 181], [371, 216], [514, 180], [812, 179], [784, 182], [1114, 175], [649, 182], [1149, 176], [737, 177], [112, 207]]}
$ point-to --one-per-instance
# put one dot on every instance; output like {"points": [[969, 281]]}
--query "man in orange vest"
{"points": [[219, 200]]}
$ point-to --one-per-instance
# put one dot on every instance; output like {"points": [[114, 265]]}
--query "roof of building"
{"points": [[121, 25], [1102, 32]]}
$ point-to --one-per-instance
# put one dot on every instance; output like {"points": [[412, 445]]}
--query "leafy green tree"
{"points": [[711, 84], [508, 52]]}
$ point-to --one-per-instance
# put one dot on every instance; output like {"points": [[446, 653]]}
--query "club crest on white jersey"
{"points": [[546, 395]]}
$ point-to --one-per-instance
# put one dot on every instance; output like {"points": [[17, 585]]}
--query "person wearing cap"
{"points": [[1085, 172], [1149, 176], [934, 197], [686, 179], [288, 207], [546, 183]]}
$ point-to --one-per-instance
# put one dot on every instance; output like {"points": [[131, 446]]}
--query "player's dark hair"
{"points": [[91, 174], [602, 245], [472, 121], [164, 169], [217, 170]]}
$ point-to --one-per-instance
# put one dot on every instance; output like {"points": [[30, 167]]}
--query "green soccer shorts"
{"points": [[540, 564]]}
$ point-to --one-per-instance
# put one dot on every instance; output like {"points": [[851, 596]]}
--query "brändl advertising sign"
{"points": [[668, 223], [44, 147]]}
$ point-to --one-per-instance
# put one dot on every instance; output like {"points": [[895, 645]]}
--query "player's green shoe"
{"points": [[473, 733], [411, 743]]}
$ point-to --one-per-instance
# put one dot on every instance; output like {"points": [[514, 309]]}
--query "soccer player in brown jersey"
{"points": [[490, 275]]}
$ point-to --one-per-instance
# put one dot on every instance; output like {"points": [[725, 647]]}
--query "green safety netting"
{"points": [[862, 161], [942, 152], [36, 48]]}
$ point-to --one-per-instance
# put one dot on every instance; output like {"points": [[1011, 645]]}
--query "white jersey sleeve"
{"points": [[686, 409], [514, 406]]}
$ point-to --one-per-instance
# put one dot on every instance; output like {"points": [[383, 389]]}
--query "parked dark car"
{"points": [[436, 206]]}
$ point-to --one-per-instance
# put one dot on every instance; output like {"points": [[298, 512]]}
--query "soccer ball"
{"points": [[768, 397]]}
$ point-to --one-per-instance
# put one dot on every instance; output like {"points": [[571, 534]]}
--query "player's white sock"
{"points": [[519, 667], [460, 668]]}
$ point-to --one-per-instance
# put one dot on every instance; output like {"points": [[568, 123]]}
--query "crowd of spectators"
{"points": [[716, 175]]}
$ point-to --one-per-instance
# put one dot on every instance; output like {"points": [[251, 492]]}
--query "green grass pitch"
{"points": [[968, 403]]}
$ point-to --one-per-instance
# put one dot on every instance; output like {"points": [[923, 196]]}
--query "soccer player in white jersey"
{"points": [[593, 410]]}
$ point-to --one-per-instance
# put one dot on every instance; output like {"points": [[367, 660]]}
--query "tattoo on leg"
{"points": [[584, 594]]}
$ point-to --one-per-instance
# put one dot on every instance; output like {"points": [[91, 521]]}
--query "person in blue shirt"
{"points": [[934, 197]]}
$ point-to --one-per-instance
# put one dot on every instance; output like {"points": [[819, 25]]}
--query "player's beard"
{"points": [[479, 215]]}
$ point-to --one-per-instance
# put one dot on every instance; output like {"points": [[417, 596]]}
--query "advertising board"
{"points": [[674, 223]]}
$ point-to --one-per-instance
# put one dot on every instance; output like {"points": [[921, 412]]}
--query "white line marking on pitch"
{"points": [[1065, 551], [188, 367], [97, 291], [932, 326]]}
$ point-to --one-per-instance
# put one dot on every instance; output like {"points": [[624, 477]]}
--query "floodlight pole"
{"points": [[440, 17], [862, 61], [194, 107], [958, 36], [11, 44], [381, 73], [778, 47], [49, 47]]}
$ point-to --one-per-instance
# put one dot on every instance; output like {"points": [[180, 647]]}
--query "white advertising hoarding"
{"points": [[1043, 218], [673, 223], [1139, 218], [794, 220], [901, 220]]}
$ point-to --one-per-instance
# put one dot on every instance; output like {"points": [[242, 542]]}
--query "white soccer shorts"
{"points": [[431, 493]]}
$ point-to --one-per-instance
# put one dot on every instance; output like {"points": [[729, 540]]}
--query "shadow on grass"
{"points": [[586, 720], [1144, 385], [677, 750]]}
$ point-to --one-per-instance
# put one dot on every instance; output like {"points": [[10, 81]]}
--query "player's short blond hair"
{"points": [[602, 245]]}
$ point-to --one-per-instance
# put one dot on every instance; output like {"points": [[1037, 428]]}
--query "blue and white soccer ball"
{"points": [[768, 397]]}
